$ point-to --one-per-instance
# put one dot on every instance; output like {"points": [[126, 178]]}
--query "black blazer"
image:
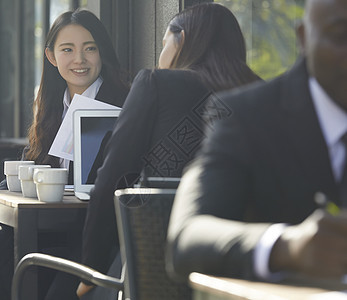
{"points": [[159, 130], [111, 94], [262, 165]]}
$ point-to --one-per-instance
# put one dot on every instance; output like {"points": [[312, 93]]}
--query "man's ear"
{"points": [[300, 33], [50, 56]]}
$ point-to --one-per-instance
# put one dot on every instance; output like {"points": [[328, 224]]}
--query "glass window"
{"points": [[57, 7], [22, 55], [39, 40], [83, 3], [269, 30]]}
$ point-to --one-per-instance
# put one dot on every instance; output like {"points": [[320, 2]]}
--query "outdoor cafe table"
{"points": [[29, 217], [206, 287]]}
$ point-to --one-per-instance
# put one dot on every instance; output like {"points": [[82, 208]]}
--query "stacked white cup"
{"points": [[50, 183], [25, 175], [11, 171]]}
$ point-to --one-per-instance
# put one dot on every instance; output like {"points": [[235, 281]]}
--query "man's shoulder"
{"points": [[252, 99], [264, 96]]}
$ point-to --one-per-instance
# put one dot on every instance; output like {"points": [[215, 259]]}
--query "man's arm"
{"points": [[205, 232], [205, 243]]}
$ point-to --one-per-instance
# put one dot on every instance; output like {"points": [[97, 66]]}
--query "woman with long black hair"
{"points": [[161, 125], [78, 58]]}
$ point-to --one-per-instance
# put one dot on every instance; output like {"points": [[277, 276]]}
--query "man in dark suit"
{"points": [[246, 207]]}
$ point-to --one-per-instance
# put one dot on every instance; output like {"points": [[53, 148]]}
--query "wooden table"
{"points": [[29, 217], [207, 287]]}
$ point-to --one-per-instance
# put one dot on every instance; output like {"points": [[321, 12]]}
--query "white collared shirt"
{"points": [[333, 122], [90, 92]]}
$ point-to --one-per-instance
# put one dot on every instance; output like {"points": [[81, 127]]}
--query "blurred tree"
{"points": [[269, 30]]}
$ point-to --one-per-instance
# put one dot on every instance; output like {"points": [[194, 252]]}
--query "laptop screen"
{"points": [[92, 130]]}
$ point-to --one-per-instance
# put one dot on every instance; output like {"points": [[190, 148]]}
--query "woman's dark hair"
{"points": [[213, 45], [48, 106]]}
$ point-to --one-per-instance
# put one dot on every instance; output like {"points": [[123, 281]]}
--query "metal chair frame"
{"points": [[64, 265]]}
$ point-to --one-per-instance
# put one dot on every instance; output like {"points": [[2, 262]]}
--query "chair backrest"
{"points": [[142, 217]]}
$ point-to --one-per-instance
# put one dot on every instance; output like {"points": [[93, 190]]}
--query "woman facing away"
{"points": [[161, 124], [79, 58]]}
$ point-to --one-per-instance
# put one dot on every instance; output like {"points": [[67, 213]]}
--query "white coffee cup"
{"points": [[25, 175], [50, 183], [11, 172]]}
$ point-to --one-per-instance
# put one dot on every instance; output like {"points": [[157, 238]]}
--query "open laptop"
{"points": [[92, 129]]}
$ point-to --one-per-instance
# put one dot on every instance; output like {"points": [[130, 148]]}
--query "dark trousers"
{"points": [[63, 285], [99, 293]]}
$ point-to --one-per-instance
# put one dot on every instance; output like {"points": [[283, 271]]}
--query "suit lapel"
{"points": [[303, 129], [110, 95]]}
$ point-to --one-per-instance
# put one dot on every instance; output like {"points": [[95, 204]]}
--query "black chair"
{"points": [[142, 216]]}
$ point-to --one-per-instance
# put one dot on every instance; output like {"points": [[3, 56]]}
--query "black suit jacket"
{"points": [[261, 166], [159, 130], [111, 94]]}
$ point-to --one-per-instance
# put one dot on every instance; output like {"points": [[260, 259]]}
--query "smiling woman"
{"points": [[79, 58]]}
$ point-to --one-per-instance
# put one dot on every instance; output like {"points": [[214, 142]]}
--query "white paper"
{"points": [[62, 145]]}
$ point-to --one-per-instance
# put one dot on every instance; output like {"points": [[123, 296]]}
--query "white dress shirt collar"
{"points": [[90, 92], [332, 118], [333, 122]]}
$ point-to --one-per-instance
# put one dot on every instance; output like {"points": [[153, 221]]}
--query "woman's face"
{"points": [[170, 48], [77, 58]]}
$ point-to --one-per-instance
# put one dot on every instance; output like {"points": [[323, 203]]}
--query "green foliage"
{"points": [[269, 30]]}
